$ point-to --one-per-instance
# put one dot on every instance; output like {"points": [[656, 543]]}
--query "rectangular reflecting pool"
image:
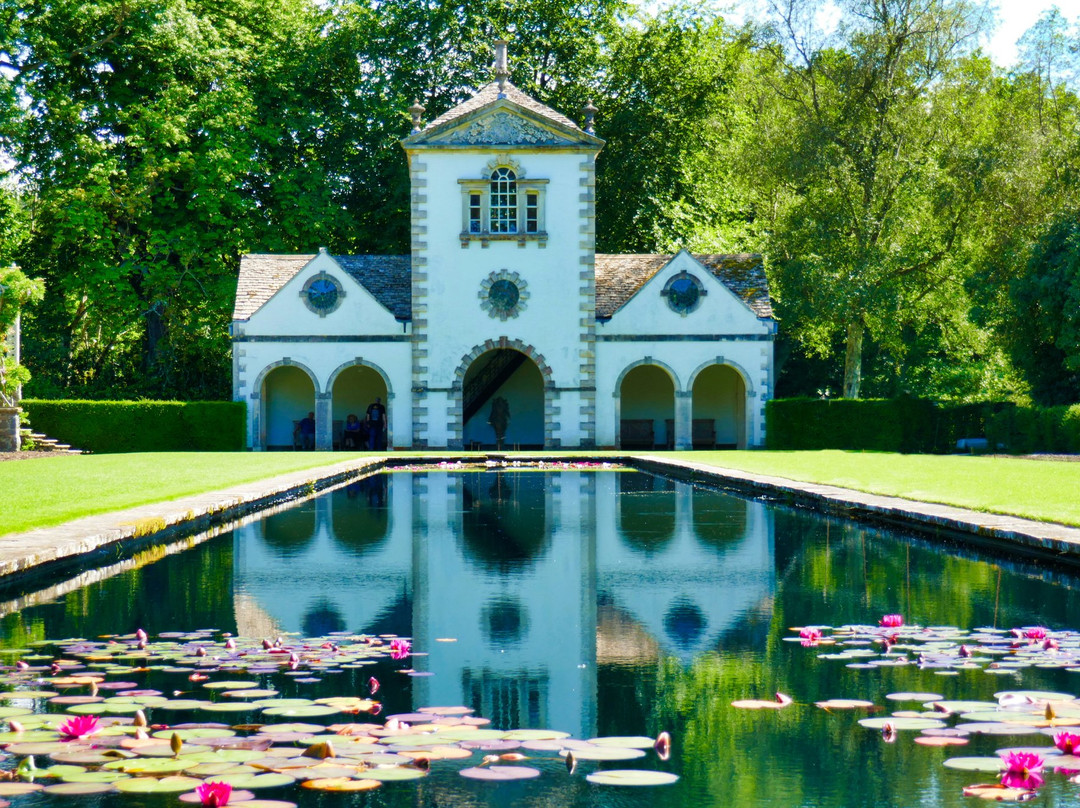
{"points": [[593, 603]]}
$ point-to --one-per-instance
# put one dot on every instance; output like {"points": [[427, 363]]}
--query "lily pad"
{"points": [[624, 741], [536, 735], [844, 704], [386, 775], [914, 696], [313, 711], [632, 777], [256, 781], [78, 789], [902, 723], [152, 785], [500, 773], [608, 753], [975, 764], [341, 784], [998, 793], [18, 789]]}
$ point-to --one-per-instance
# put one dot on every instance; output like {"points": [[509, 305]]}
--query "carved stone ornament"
{"points": [[502, 127]]}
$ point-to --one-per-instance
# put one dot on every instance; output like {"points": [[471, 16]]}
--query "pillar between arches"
{"points": [[684, 423], [324, 422]]}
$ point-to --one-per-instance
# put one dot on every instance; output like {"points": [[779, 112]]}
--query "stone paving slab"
{"points": [[33, 548], [1027, 536]]}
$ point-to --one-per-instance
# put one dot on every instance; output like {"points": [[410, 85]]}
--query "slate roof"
{"points": [[261, 276], [387, 277], [619, 277], [490, 94]]}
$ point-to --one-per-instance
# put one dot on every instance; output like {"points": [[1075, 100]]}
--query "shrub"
{"points": [[142, 426], [885, 425]]}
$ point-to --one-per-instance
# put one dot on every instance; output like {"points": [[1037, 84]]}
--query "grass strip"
{"points": [[1045, 490], [51, 490]]}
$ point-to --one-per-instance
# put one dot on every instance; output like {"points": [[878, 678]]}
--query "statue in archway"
{"points": [[499, 418]]}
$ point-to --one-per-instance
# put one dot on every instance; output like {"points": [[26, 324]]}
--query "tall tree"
{"points": [[867, 174]]}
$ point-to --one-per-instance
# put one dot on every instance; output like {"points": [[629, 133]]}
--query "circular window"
{"points": [[503, 294], [684, 293], [322, 294]]}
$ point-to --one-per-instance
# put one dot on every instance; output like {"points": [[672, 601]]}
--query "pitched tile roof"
{"points": [[619, 277], [387, 277], [260, 277], [490, 94]]}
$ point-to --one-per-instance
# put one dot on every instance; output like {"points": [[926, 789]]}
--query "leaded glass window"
{"points": [[532, 212], [503, 208], [474, 212]]}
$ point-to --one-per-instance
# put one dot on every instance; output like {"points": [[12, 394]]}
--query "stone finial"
{"points": [[589, 111], [416, 110], [502, 72]]}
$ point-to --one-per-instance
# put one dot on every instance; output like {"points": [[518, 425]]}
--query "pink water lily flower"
{"points": [[399, 649], [1036, 634], [891, 621], [1022, 770], [810, 636], [214, 794], [1067, 742], [81, 726]]}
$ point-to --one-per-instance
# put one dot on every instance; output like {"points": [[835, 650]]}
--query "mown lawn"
{"points": [[53, 490], [1047, 490]]}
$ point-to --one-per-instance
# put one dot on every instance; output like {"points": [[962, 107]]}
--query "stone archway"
{"points": [[353, 387], [646, 392], [287, 392], [526, 387], [718, 396]]}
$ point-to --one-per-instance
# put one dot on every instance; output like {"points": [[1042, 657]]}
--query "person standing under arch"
{"points": [[376, 424]]}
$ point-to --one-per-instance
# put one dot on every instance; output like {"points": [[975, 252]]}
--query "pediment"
{"points": [[491, 121], [502, 128]]}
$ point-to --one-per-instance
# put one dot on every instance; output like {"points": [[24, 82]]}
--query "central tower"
{"points": [[503, 280]]}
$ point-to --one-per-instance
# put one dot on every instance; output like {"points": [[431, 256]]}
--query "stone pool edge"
{"points": [[40, 548], [1013, 534], [35, 549]]}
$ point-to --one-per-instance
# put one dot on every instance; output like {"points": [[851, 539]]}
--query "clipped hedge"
{"points": [[1024, 430], [884, 425], [142, 426]]}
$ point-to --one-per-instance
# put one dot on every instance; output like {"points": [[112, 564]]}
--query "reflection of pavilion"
{"points": [[515, 569]]}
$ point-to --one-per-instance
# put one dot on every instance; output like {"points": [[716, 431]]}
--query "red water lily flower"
{"points": [[892, 621], [1067, 742], [399, 649], [214, 794], [1022, 770], [81, 726], [1035, 634]]}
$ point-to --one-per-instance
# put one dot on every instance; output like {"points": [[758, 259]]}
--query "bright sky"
{"points": [[1014, 18]]}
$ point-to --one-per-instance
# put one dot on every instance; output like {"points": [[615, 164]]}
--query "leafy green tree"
{"points": [[870, 177], [669, 176], [16, 291]]}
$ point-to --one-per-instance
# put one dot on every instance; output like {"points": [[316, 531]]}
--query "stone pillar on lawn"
{"points": [[9, 429]]}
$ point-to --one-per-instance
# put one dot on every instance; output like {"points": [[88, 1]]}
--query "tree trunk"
{"points": [[853, 359]]}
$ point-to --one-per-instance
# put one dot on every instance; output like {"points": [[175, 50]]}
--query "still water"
{"points": [[597, 603]]}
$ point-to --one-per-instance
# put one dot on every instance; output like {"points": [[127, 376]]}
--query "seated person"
{"points": [[352, 436], [307, 432]]}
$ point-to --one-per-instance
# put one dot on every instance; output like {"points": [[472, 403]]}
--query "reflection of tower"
{"points": [[514, 587]]}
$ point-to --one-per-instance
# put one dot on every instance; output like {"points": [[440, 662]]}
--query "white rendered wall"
{"points": [[647, 331], [285, 332], [550, 321]]}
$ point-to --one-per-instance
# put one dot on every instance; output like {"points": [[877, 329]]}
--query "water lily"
{"points": [[891, 621], [1067, 742], [810, 636], [214, 794], [373, 685], [662, 745], [81, 726], [888, 732], [399, 649], [1022, 770]]}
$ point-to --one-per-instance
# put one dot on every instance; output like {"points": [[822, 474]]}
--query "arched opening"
{"points": [[646, 512], [720, 520], [646, 408], [504, 520], [288, 395], [289, 532], [355, 390], [503, 392], [360, 516], [719, 407]]}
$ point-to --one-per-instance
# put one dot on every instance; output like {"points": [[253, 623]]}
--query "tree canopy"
{"points": [[916, 202]]}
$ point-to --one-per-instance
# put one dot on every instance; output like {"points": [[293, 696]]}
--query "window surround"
{"points": [[476, 206]]}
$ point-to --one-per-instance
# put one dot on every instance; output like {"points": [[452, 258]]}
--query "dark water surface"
{"points": [[597, 603]]}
